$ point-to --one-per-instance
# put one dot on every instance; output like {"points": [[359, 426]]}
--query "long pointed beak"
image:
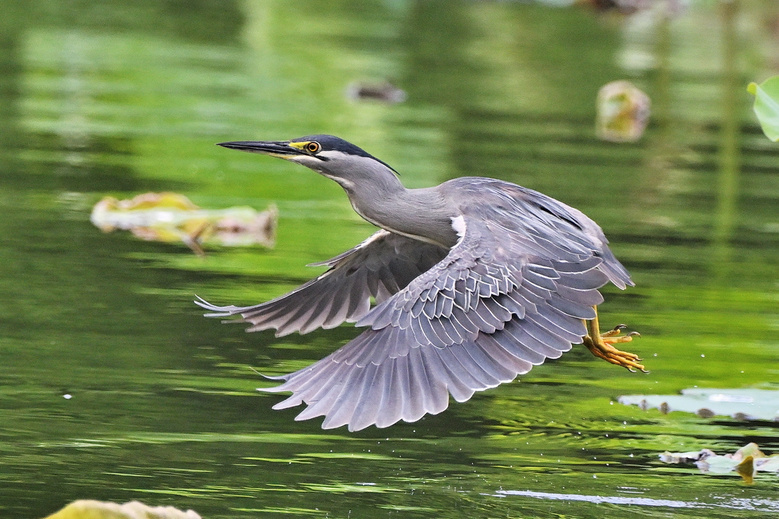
{"points": [[281, 149]]}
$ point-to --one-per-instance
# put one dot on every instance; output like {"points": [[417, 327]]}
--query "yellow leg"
{"points": [[600, 344]]}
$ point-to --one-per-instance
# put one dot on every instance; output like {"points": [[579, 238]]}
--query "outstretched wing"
{"points": [[501, 301], [378, 267]]}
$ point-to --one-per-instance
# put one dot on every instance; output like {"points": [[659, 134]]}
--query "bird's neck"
{"points": [[422, 214]]}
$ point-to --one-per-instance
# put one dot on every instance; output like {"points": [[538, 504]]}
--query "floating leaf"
{"points": [[743, 404], [88, 509], [171, 217], [747, 469], [767, 105], [685, 457], [717, 464], [769, 464], [623, 112], [746, 461], [750, 449]]}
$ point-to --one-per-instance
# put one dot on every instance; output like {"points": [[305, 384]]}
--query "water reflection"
{"points": [[734, 504]]}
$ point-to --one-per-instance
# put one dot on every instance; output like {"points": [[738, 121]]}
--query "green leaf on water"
{"points": [[767, 105]]}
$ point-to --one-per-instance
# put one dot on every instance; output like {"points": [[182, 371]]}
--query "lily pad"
{"points": [[742, 404], [767, 105]]}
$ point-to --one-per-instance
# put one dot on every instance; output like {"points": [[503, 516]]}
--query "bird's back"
{"points": [[510, 208]]}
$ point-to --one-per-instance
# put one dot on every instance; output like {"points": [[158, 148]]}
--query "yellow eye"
{"points": [[313, 147]]}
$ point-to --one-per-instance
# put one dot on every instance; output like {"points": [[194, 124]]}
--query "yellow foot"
{"points": [[600, 345], [602, 348]]}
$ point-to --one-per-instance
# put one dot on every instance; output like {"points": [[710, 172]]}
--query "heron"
{"points": [[464, 286]]}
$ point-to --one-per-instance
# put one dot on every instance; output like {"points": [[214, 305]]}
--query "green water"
{"points": [[120, 98]]}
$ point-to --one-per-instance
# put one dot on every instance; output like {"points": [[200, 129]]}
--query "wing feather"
{"points": [[344, 291], [514, 291]]}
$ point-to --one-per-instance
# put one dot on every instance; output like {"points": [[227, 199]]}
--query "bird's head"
{"points": [[330, 156]]}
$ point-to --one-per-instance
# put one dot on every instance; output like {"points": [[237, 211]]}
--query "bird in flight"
{"points": [[465, 286]]}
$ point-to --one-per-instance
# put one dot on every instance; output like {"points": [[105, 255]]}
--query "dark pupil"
{"points": [[312, 147]]}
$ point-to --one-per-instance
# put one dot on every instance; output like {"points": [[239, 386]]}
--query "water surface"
{"points": [[119, 99]]}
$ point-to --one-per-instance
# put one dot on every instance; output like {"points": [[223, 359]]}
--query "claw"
{"points": [[600, 345], [614, 331]]}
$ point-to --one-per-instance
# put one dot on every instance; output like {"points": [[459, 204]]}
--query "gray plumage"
{"points": [[474, 282]]}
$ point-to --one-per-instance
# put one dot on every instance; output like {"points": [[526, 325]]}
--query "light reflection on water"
{"points": [[763, 506], [119, 101]]}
